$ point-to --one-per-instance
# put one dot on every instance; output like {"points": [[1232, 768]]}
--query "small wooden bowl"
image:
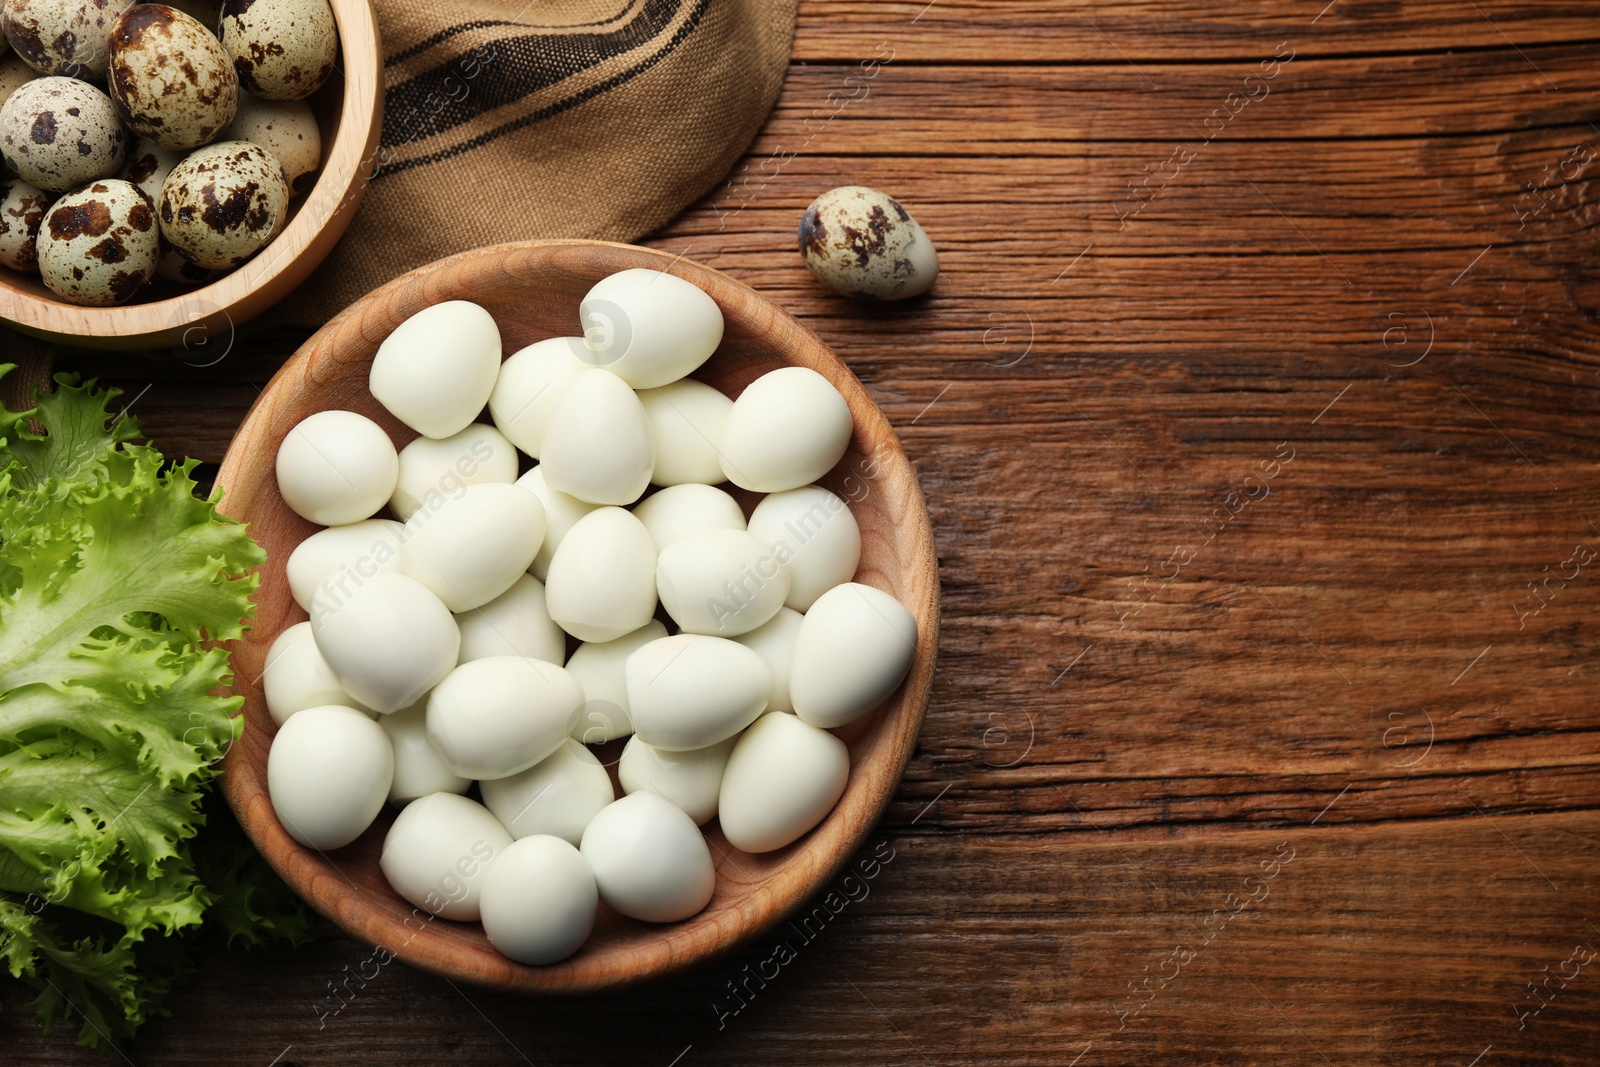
{"points": [[533, 290], [349, 110]]}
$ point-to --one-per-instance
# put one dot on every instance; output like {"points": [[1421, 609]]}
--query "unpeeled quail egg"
{"points": [[22, 209], [170, 77], [147, 166], [281, 49], [287, 129], [62, 37], [222, 203], [99, 244], [58, 133], [862, 243]]}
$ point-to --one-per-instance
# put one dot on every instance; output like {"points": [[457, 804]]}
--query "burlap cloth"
{"points": [[507, 120]]}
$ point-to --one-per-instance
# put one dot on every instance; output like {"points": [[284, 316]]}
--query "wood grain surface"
{"points": [[1266, 495]]}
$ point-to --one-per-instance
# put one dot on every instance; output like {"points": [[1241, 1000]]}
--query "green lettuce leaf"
{"points": [[116, 583]]}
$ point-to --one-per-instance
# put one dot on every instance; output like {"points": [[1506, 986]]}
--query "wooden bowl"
{"points": [[349, 110], [533, 290]]}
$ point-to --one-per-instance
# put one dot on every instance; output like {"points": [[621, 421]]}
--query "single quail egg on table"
{"points": [[22, 210], [170, 77], [98, 244], [63, 37], [862, 243], [281, 49], [57, 133], [223, 203]]}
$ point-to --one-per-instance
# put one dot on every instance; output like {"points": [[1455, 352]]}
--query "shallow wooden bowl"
{"points": [[349, 110], [533, 289]]}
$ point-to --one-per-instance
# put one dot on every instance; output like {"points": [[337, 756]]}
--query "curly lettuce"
{"points": [[117, 583]]}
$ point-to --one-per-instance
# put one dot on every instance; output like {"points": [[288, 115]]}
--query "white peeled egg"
{"points": [[341, 556], [721, 582], [515, 623], [494, 717], [532, 382], [649, 328], [438, 852], [689, 780], [686, 420], [297, 676], [649, 859], [561, 511], [435, 371], [472, 547], [691, 691], [418, 768], [787, 429], [854, 647], [389, 640], [328, 772], [782, 779], [558, 795], [598, 667], [439, 469], [597, 446], [816, 536], [336, 467], [774, 641], [679, 510], [539, 901], [602, 580]]}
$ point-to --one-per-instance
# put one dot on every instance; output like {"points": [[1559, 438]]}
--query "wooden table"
{"points": [[1266, 490]]}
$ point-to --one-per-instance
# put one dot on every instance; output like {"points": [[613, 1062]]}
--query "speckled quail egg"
{"points": [[99, 244], [174, 268], [862, 243], [65, 37], [22, 209], [282, 49], [171, 78], [148, 165], [57, 133], [13, 72], [287, 129], [223, 203]]}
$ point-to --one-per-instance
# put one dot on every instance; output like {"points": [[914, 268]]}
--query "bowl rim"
{"points": [[241, 294], [819, 855]]}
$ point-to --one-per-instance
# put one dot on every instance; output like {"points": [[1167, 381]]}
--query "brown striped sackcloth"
{"points": [[508, 120]]}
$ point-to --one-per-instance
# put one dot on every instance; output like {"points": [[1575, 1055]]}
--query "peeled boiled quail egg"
{"points": [[328, 774], [438, 852], [22, 210], [435, 371], [787, 429], [281, 49], [98, 244], [170, 77], [58, 133], [287, 129], [62, 37], [539, 900], [223, 203], [782, 778], [862, 243], [649, 859]]}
